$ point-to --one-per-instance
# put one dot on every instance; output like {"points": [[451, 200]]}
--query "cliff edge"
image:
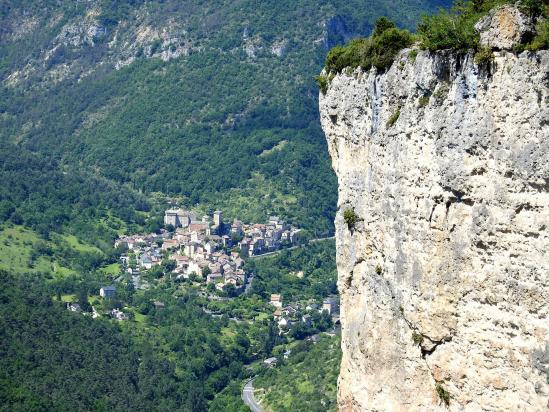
{"points": [[443, 169]]}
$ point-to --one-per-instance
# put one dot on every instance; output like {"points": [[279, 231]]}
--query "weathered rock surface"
{"points": [[504, 27], [445, 278]]}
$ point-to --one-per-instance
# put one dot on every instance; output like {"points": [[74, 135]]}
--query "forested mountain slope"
{"points": [[103, 104], [212, 101]]}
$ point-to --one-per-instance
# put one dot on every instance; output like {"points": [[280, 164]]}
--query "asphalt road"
{"points": [[276, 252], [248, 397]]}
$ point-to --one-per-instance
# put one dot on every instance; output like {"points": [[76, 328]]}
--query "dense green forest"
{"points": [[37, 193], [163, 358], [54, 359]]}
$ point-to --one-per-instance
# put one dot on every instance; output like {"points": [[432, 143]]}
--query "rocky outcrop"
{"points": [[444, 276], [505, 27]]}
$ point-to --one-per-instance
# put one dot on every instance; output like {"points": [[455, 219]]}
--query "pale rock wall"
{"points": [[452, 245]]}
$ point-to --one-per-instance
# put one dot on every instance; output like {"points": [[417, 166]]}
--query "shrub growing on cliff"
{"points": [[455, 29], [541, 40], [323, 82], [350, 218], [443, 394], [417, 338], [394, 117], [413, 55], [449, 30], [484, 56], [424, 100], [378, 50]]}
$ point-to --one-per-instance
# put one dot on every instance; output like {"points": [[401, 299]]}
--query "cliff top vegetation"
{"points": [[446, 30]]}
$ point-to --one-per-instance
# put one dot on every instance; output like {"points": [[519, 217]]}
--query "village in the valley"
{"points": [[205, 248], [212, 252]]}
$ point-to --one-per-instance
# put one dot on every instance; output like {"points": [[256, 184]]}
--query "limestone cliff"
{"points": [[444, 279]]}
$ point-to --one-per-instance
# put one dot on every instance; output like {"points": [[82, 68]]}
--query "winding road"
{"points": [[248, 390], [276, 252], [248, 397]]}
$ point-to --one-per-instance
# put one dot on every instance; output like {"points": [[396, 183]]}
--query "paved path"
{"points": [[276, 252], [320, 239], [248, 397], [248, 283]]}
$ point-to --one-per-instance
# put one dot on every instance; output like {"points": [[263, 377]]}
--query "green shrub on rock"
{"points": [[484, 56], [541, 40], [351, 218], [322, 82], [423, 101], [443, 394], [447, 30], [392, 120], [378, 50]]}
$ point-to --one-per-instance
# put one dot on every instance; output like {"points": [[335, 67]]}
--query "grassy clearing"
{"points": [[76, 244], [139, 317], [18, 252], [112, 269], [22, 250], [16, 245], [276, 148], [262, 316], [58, 270], [68, 298]]}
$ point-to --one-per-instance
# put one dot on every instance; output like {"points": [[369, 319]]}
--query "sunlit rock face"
{"points": [[444, 280]]}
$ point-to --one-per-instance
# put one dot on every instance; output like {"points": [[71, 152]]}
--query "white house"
{"points": [[107, 291]]}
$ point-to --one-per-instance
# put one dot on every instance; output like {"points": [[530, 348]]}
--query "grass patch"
{"points": [[16, 246], [112, 269], [262, 316], [22, 251], [68, 298], [77, 245], [305, 387], [139, 317], [276, 148]]}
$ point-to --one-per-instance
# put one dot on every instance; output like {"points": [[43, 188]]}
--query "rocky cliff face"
{"points": [[444, 279]]}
